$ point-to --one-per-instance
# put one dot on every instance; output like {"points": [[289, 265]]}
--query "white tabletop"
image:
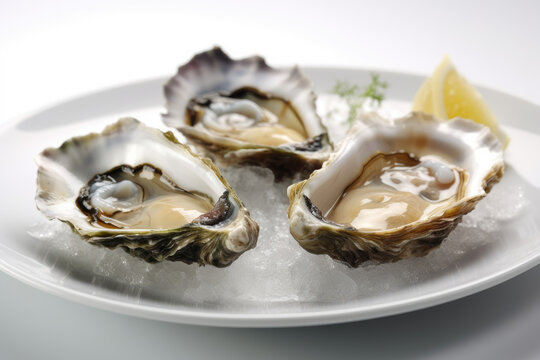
{"points": [[52, 51]]}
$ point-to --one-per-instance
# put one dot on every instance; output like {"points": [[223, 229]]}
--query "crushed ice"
{"points": [[278, 269]]}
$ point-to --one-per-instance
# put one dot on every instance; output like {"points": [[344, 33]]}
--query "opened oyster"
{"points": [[394, 190], [137, 188], [245, 112]]}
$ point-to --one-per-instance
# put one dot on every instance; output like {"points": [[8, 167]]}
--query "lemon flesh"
{"points": [[447, 94]]}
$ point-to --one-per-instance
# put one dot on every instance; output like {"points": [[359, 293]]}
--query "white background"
{"points": [[53, 50], [50, 50]]}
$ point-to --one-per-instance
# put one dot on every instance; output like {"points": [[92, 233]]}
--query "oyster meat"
{"points": [[245, 112], [137, 188], [394, 189]]}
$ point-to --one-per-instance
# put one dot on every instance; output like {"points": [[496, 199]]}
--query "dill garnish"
{"points": [[356, 96]]}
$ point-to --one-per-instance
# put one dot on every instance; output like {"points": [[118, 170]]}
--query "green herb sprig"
{"points": [[356, 96]]}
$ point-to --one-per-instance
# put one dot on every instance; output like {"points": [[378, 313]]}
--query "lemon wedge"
{"points": [[447, 94]]}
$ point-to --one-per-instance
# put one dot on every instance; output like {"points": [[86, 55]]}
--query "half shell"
{"points": [[469, 153], [245, 112], [126, 188]]}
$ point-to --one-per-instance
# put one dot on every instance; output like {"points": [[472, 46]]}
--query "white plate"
{"points": [[505, 245]]}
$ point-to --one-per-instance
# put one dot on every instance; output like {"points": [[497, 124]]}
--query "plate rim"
{"points": [[286, 319], [273, 320]]}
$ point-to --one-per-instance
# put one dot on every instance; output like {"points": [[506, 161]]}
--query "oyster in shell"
{"points": [[137, 188], [393, 190], [245, 112]]}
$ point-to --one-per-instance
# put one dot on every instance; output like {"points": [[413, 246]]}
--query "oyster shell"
{"points": [[245, 112], [394, 189], [137, 188]]}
